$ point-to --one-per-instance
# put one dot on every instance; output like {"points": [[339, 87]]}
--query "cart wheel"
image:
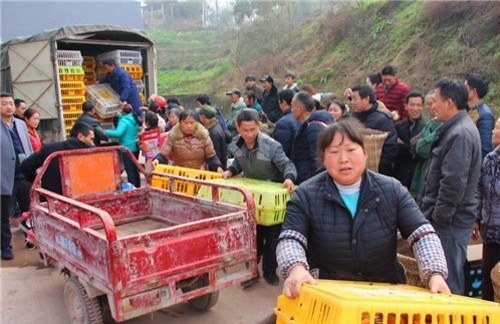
{"points": [[81, 308], [203, 302]]}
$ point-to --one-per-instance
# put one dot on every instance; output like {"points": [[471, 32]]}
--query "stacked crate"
{"points": [[130, 61], [71, 77], [89, 67]]}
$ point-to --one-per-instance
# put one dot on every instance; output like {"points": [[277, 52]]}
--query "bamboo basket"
{"points": [[495, 279], [374, 141]]}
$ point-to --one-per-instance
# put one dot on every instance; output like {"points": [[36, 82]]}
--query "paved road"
{"points": [[32, 293]]}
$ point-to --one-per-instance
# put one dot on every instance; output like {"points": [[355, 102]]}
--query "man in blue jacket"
{"points": [[286, 126], [480, 113], [121, 81]]}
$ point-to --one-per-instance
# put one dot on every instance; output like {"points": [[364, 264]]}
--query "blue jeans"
{"points": [[454, 241]]}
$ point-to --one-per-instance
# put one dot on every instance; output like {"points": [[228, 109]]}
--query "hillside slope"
{"points": [[425, 40]]}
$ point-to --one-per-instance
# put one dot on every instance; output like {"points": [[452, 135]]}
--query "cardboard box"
{"points": [[473, 269]]}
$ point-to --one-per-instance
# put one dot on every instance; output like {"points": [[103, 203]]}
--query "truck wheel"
{"points": [[203, 302], [81, 309]]}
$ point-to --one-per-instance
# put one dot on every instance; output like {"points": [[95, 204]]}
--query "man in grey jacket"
{"points": [[259, 156], [16, 146], [87, 116], [449, 200]]}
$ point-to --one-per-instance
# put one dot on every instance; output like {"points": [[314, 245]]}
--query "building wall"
{"points": [[25, 18]]}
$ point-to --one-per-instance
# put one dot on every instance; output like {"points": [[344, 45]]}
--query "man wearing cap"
{"points": [[252, 86], [208, 117], [290, 83], [88, 108], [237, 103], [270, 101]]}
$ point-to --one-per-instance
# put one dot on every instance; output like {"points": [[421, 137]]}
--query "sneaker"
{"points": [[249, 283], [272, 279], [7, 253]]}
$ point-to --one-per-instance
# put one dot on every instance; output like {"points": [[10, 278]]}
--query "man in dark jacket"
{"points": [[408, 131], [81, 136], [449, 200], [303, 152], [208, 117], [88, 108], [250, 85], [260, 157], [364, 106], [286, 127], [270, 101], [121, 81], [480, 113]]}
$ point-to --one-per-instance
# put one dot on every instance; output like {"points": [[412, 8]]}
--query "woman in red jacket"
{"points": [[32, 119]]}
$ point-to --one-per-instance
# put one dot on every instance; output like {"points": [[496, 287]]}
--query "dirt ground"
{"points": [[33, 293]]}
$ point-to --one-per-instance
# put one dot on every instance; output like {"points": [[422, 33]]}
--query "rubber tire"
{"points": [[203, 302], [81, 309]]}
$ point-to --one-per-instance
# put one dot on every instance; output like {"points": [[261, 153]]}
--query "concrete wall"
{"points": [[25, 18]]}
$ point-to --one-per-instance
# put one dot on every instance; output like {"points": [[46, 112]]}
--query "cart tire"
{"points": [[81, 308], [203, 302]]}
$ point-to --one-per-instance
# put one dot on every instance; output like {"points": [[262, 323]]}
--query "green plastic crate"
{"points": [[270, 198]]}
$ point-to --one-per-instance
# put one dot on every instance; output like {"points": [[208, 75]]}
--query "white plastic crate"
{"points": [[106, 100], [69, 58], [121, 57], [140, 85]]}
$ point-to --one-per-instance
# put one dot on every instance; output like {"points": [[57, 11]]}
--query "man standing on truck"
{"points": [[259, 156], [16, 145], [121, 81]]}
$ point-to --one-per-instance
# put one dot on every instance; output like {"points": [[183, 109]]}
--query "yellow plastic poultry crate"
{"points": [[135, 70], [350, 302], [181, 186], [72, 88], [270, 198], [88, 63], [72, 103]]}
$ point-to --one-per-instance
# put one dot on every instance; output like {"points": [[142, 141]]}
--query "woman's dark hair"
{"points": [[349, 127], [174, 111], [186, 113], [153, 106], [375, 78], [173, 100], [151, 119], [127, 109], [309, 88], [28, 113], [340, 104]]}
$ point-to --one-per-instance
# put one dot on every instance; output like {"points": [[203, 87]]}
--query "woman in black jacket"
{"points": [[346, 219]]}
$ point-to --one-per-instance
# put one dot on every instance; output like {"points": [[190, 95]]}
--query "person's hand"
{"points": [[437, 285], [220, 170], [400, 141], [297, 277], [226, 174], [395, 115], [290, 187], [415, 139], [475, 231], [144, 108], [348, 93], [155, 162]]}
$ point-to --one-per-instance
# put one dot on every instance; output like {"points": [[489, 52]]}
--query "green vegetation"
{"points": [[339, 47]]}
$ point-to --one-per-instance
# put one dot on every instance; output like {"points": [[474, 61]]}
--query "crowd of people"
{"points": [[438, 181]]}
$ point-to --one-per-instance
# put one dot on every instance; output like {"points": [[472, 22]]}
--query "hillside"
{"points": [[338, 48]]}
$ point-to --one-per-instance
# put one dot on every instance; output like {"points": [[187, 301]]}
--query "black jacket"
{"points": [[362, 247], [271, 104], [453, 173], [99, 133], [305, 142], [375, 119], [51, 179], [218, 137], [406, 162]]}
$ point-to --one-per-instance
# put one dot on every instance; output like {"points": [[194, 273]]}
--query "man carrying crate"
{"points": [[259, 156], [121, 81]]}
